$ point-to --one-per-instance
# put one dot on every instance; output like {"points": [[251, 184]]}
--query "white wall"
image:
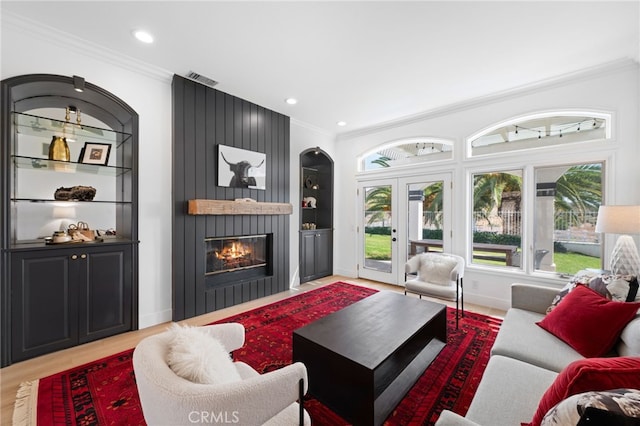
{"points": [[28, 49], [612, 87], [302, 138]]}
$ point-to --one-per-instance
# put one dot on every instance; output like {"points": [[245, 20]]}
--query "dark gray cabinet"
{"points": [[316, 215], [316, 254], [65, 297], [53, 296]]}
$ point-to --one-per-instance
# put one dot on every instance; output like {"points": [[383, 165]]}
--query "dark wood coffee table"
{"points": [[363, 359]]}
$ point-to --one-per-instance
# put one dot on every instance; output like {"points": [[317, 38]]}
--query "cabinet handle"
{"points": [[74, 257], [83, 256]]}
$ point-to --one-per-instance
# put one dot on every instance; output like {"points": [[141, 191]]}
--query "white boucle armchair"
{"points": [[438, 275], [257, 399]]}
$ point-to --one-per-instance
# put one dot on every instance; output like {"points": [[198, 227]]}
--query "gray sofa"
{"points": [[525, 360]]}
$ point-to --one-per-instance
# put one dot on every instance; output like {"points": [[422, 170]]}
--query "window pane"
{"points": [[425, 217], [497, 224], [408, 152], [566, 208], [539, 131], [377, 235]]}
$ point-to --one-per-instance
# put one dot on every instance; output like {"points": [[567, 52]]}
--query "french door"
{"points": [[395, 212]]}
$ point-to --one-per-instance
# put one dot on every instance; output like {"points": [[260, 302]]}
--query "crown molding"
{"points": [[312, 127], [68, 41], [580, 75]]}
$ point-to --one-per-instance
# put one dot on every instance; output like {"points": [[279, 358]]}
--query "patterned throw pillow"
{"points": [[614, 407], [620, 288]]}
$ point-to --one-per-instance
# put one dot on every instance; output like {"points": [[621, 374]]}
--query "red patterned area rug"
{"points": [[104, 392]]}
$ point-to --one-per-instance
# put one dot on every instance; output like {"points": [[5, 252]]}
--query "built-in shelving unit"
{"points": [[53, 296], [316, 215]]}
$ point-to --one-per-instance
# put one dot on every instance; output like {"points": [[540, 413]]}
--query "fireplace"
{"points": [[230, 255]]}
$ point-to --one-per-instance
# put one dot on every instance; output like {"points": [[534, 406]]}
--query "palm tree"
{"points": [[433, 201], [488, 189], [378, 203], [579, 191]]}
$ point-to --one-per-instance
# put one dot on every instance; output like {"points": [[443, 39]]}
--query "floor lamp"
{"points": [[621, 220]]}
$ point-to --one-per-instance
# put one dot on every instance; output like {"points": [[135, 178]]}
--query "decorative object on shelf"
{"points": [[308, 225], [61, 237], [81, 231], [75, 193], [248, 171], [621, 220], [95, 153], [59, 150], [72, 110], [309, 202], [311, 182]]}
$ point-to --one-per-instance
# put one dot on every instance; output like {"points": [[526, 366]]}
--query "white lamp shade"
{"points": [[618, 220]]}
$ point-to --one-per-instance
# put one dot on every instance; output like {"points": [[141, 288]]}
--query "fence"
{"points": [[569, 226]]}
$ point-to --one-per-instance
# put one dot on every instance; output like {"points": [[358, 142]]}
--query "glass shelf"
{"points": [[51, 200], [67, 166], [34, 125]]}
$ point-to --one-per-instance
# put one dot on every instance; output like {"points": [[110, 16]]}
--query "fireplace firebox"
{"points": [[237, 253]]}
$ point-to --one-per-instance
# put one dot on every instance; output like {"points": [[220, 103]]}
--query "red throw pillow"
{"points": [[593, 374], [588, 322]]}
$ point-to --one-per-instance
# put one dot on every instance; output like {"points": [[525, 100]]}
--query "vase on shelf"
{"points": [[59, 150]]}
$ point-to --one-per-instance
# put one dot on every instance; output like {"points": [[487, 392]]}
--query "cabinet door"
{"points": [[43, 303], [105, 279], [307, 256], [323, 253]]}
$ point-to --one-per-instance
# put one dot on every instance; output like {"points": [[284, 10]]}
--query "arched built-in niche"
{"points": [[56, 295], [316, 214]]}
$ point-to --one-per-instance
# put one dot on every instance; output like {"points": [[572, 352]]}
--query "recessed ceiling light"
{"points": [[143, 36], [341, 123], [291, 101]]}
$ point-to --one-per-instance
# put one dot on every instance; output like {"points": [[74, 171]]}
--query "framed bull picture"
{"points": [[240, 168]]}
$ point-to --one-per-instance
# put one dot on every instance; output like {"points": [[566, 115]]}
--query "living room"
{"points": [[608, 82]]}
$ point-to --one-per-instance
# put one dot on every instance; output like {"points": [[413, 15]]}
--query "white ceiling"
{"points": [[362, 62]]}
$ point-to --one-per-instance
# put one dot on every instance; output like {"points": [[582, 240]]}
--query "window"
{"points": [[566, 207], [496, 218], [540, 131], [406, 152]]}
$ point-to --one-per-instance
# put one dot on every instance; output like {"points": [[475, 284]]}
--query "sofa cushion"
{"points": [[612, 407], [520, 338], [588, 322], [508, 392], [630, 338], [200, 358], [593, 374]]}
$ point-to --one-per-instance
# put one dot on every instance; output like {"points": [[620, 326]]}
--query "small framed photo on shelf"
{"points": [[95, 153]]}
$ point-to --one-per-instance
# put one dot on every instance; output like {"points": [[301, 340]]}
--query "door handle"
{"points": [[394, 239]]}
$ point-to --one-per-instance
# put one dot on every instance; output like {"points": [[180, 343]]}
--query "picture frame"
{"points": [[241, 168], [95, 153]]}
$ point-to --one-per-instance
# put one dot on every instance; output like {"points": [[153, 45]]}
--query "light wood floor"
{"points": [[46, 365]]}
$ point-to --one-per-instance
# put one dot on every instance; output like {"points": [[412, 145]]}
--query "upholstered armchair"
{"points": [[249, 399], [437, 275]]}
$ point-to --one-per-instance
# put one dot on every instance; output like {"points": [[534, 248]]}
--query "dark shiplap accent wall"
{"points": [[203, 118]]}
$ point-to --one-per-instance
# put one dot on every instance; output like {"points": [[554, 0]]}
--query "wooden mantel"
{"points": [[237, 207]]}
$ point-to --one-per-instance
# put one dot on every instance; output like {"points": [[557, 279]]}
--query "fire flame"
{"points": [[235, 251]]}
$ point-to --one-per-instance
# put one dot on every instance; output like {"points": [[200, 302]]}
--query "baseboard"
{"points": [[491, 302], [155, 318]]}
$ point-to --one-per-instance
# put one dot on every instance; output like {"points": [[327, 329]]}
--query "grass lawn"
{"points": [[378, 247]]}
